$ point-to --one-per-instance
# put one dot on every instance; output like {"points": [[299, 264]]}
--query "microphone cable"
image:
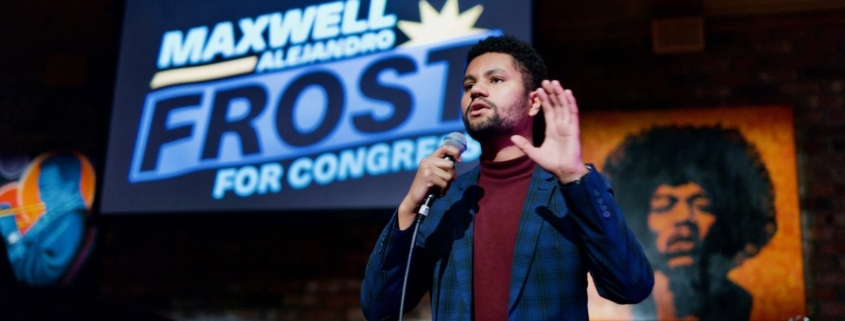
{"points": [[408, 266], [458, 141]]}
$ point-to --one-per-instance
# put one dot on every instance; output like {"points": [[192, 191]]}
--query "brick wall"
{"points": [[274, 267]]}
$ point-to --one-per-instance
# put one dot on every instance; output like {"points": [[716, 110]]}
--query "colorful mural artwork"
{"points": [[712, 196], [44, 208]]}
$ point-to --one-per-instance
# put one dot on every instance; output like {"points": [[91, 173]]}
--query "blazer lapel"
{"points": [[463, 250], [539, 194]]}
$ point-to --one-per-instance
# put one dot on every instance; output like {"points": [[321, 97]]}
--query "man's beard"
{"points": [[682, 245], [492, 127], [693, 284]]}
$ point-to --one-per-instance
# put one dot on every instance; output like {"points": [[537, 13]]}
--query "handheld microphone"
{"points": [[456, 140]]}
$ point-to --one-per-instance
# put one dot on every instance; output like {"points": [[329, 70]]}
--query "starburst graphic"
{"points": [[437, 26]]}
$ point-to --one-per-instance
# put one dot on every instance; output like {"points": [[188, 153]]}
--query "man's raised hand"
{"points": [[560, 152]]}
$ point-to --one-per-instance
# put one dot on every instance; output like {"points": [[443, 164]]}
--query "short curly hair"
{"points": [[718, 159], [528, 61]]}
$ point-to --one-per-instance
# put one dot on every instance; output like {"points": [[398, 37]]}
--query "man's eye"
{"points": [[661, 209], [662, 204], [467, 87], [495, 80], [704, 208], [703, 205]]}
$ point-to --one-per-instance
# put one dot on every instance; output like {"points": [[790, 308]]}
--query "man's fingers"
{"points": [[445, 169], [442, 179], [564, 111], [440, 183], [573, 105], [447, 150], [549, 112], [570, 108], [436, 174], [522, 143], [559, 101], [554, 97]]}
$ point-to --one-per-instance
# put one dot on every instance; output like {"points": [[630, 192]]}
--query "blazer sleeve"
{"points": [[381, 289], [44, 254], [619, 267]]}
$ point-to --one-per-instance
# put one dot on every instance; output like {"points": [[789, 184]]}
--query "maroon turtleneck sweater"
{"points": [[505, 186]]}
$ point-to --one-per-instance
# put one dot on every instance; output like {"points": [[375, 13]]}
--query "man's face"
{"points": [[50, 183], [680, 217], [494, 102], [55, 189]]}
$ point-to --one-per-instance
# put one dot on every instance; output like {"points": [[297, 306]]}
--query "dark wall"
{"points": [[793, 59], [56, 88], [58, 62]]}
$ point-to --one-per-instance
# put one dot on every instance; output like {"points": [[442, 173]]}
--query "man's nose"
{"points": [[686, 228], [478, 90], [683, 212]]}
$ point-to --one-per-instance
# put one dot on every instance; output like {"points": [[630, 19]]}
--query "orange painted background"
{"points": [[775, 277], [25, 195]]}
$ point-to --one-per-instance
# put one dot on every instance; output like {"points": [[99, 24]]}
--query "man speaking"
{"points": [[514, 238]]}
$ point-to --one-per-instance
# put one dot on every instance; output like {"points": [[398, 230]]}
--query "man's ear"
{"points": [[536, 103]]}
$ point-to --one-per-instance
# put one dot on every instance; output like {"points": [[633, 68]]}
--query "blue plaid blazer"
{"points": [[564, 232]]}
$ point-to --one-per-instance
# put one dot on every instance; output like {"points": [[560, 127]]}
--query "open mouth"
{"points": [[681, 246], [681, 250], [477, 108]]}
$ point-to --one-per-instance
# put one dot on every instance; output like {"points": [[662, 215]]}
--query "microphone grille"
{"points": [[456, 140]]}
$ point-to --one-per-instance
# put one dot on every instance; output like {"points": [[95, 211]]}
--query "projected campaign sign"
{"points": [[224, 105]]}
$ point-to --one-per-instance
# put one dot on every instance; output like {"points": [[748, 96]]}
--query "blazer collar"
{"points": [[539, 194], [463, 252]]}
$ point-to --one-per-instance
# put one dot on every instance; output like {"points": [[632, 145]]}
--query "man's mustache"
{"points": [[489, 103], [683, 245]]}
